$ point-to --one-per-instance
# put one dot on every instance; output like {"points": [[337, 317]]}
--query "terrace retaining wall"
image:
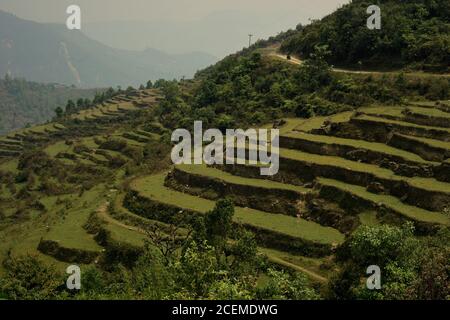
{"points": [[170, 214], [266, 199]]}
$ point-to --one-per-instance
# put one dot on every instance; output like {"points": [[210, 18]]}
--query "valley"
{"points": [[362, 177]]}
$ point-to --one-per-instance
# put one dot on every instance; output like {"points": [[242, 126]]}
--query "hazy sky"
{"points": [[112, 10], [218, 27]]}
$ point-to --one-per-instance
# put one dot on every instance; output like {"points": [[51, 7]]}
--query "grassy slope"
{"points": [[390, 201], [432, 142], [422, 183], [397, 111], [153, 187], [204, 170], [373, 146], [402, 123]]}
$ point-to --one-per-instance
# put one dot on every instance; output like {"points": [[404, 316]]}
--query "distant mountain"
{"points": [[219, 33], [52, 53]]}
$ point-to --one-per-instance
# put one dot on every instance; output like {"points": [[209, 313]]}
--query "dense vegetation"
{"points": [[202, 265], [414, 269], [414, 34], [25, 103], [252, 89], [97, 187]]}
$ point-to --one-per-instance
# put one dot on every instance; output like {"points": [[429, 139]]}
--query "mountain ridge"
{"points": [[96, 64]]}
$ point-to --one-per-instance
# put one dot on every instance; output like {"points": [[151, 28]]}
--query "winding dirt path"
{"points": [[296, 267], [102, 212], [296, 61]]}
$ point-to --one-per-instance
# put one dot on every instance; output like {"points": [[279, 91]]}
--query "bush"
{"points": [[28, 278], [113, 144]]}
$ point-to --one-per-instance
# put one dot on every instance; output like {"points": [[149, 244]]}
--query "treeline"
{"points": [[201, 263], [413, 34], [250, 89], [26, 103], [73, 106], [176, 264]]}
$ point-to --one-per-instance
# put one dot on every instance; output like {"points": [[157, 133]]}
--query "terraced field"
{"points": [[328, 184], [55, 228], [16, 142], [275, 230], [375, 165]]}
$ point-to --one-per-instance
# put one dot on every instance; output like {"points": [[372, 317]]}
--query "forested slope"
{"points": [[23, 102], [413, 34]]}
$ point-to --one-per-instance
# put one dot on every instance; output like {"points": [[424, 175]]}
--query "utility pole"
{"points": [[250, 40]]}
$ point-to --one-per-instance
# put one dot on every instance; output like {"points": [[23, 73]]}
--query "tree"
{"points": [[59, 112], [380, 245], [87, 103], [109, 93], [218, 223], [395, 251], [207, 93], [149, 84], [281, 285], [433, 280], [80, 104], [197, 269], [70, 107], [28, 277], [315, 72], [167, 241]]}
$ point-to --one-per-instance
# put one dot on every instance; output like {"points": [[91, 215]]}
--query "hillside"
{"points": [[52, 53], [414, 34], [100, 178], [364, 180], [27, 103]]}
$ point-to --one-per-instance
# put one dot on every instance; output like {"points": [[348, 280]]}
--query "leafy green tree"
{"points": [[110, 93], [315, 72], [228, 290], [70, 107], [380, 245], [218, 223], [59, 112], [80, 104], [410, 269], [433, 280], [282, 286], [28, 277], [197, 269], [207, 93], [153, 276], [87, 103]]}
